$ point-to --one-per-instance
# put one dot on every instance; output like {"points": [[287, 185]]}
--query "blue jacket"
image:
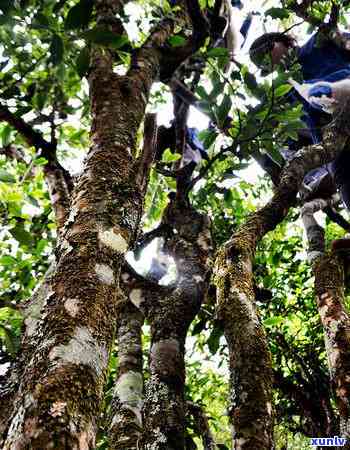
{"points": [[321, 61]]}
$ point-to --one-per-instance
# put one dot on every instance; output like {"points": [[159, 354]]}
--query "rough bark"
{"points": [[170, 311], [126, 407], [202, 426], [328, 269], [170, 318], [61, 388], [251, 410], [329, 288], [32, 310]]}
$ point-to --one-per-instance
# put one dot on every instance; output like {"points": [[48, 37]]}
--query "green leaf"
{"points": [[6, 5], [202, 93], [217, 52], [40, 246], [40, 161], [79, 15], [250, 81], [39, 100], [282, 90], [168, 156], [223, 110], [208, 137], [41, 20], [10, 339], [21, 235], [177, 41], [214, 339], [102, 36], [200, 326], [277, 13], [7, 261], [56, 50], [273, 321], [83, 62], [6, 177], [6, 135]]}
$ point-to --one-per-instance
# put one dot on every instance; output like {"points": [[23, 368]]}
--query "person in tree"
{"points": [[325, 57]]}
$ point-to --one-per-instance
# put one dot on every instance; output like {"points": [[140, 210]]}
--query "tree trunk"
{"points": [[126, 407], [329, 287], [61, 388], [250, 362]]}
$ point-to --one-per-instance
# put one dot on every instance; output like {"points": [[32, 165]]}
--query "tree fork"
{"points": [[62, 385]]}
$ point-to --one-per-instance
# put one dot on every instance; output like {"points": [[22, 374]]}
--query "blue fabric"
{"points": [[246, 27], [237, 4], [195, 143], [318, 61], [320, 89], [326, 62]]}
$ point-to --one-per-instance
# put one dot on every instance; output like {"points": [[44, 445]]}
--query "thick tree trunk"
{"points": [[61, 387], [251, 409], [250, 362], [170, 317]]}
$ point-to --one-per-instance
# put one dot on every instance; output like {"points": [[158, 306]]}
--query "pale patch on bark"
{"points": [[136, 297], [239, 443], [113, 240], [244, 396], [65, 246], [58, 408], [125, 277], [322, 310], [72, 306], [34, 310], [159, 438], [269, 408], [312, 256], [129, 388], [104, 273], [166, 344], [334, 356], [72, 214], [198, 278], [55, 198], [247, 265], [247, 304], [203, 242], [82, 349]]}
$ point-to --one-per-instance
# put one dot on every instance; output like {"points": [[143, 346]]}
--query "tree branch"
{"points": [[202, 425], [58, 179]]}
